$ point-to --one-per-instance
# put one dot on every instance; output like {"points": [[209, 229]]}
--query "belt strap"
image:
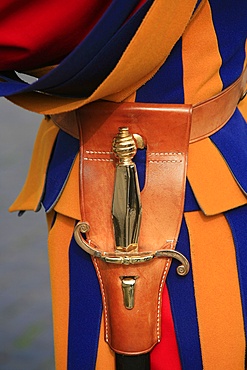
{"points": [[207, 117]]}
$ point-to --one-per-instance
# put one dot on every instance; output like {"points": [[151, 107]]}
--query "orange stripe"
{"points": [[217, 292], [105, 356], [31, 193], [201, 58], [58, 244], [213, 184], [243, 104]]}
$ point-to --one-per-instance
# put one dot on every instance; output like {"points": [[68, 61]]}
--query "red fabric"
{"points": [[34, 33], [165, 355]]}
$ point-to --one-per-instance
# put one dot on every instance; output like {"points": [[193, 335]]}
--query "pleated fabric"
{"points": [[204, 315]]}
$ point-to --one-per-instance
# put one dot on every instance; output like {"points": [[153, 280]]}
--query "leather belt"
{"points": [[207, 117]]}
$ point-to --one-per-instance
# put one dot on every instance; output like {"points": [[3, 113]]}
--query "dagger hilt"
{"points": [[126, 204]]}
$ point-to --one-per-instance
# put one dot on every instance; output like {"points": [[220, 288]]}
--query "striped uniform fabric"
{"points": [[204, 315]]}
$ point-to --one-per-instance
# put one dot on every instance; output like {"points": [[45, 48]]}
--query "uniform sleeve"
{"points": [[36, 33]]}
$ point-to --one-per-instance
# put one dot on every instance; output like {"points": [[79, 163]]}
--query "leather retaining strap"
{"points": [[207, 117]]}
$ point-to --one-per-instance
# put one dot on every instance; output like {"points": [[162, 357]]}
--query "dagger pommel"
{"points": [[124, 146]]}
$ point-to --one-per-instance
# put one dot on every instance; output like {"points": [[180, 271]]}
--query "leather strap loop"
{"points": [[207, 117]]}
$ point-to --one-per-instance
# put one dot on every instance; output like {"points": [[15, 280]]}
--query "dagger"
{"points": [[126, 216]]}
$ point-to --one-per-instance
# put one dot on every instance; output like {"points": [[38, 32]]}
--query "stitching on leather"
{"points": [[159, 297], [166, 161], [97, 152], [104, 301], [165, 153], [98, 159]]}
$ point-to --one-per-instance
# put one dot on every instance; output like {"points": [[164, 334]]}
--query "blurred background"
{"points": [[26, 341]]}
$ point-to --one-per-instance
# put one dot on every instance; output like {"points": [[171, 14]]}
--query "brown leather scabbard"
{"points": [[165, 131]]}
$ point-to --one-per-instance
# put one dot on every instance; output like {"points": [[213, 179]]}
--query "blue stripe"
{"points": [[230, 22], [190, 203], [231, 140], [102, 32], [237, 219], [85, 310], [182, 298], [140, 161], [94, 73], [92, 60], [65, 150], [197, 4], [166, 86]]}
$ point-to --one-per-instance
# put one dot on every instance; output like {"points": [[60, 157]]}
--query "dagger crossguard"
{"points": [[132, 258]]}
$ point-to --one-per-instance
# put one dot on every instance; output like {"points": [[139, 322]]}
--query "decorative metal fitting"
{"points": [[128, 287], [130, 258]]}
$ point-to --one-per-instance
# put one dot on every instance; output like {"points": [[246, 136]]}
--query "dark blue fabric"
{"points": [[190, 203], [85, 310], [237, 219], [65, 149], [231, 140], [94, 73], [182, 299], [85, 68], [197, 4], [102, 32], [166, 86], [140, 161], [230, 22]]}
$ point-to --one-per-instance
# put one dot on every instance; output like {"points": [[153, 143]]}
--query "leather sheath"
{"points": [[166, 134]]}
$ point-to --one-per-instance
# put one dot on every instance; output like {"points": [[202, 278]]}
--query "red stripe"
{"points": [[165, 355]]}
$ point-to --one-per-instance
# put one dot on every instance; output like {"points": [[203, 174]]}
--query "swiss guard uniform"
{"points": [[133, 54]]}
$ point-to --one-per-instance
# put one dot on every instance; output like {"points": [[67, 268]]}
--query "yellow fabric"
{"points": [[217, 294], [213, 184], [58, 244], [30, 196], [200, 66], [147, 51], [105, 356]]}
